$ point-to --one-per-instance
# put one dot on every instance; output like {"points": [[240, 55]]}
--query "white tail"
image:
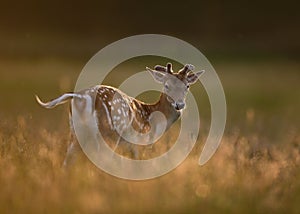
{"points": [[58, 101], [119, 114]]}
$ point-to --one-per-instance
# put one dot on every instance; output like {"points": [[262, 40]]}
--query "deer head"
{"points": [[176, 85]]}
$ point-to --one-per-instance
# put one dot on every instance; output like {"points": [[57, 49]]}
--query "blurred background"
{"points": [[248, 42], [79, 29], [254, 47]]}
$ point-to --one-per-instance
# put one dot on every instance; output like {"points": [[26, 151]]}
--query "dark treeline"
{"points": [[215, 24]]}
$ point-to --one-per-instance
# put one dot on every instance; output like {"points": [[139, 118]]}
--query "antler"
{"points": [[167, 69], [160, 68], [186, 69]]}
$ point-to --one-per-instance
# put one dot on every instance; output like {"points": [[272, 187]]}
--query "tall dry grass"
{"points": [[248, 174], [255, 170]]}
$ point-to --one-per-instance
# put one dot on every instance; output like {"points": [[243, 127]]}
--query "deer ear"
{"points": [[157, 75], [194, 76]]}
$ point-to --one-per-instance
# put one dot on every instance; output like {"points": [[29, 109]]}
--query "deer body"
{"points": [[120, 116]]}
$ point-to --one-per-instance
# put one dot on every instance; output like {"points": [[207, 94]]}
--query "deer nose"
{"points": [[180, 105]]}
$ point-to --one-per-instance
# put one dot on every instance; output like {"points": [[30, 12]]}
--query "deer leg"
{"points": [[134, 151], [117, 143], [74, 150]]}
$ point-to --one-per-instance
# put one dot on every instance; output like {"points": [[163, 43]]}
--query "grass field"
{"points": [[255, 170]]}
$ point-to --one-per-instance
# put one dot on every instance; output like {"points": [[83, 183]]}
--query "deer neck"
{"points": [[165, 107]]}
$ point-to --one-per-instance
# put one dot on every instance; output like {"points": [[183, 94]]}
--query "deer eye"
{"points": [[188, 86]]}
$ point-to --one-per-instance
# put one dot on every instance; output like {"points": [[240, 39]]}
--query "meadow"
{"points": [[255, 170]]}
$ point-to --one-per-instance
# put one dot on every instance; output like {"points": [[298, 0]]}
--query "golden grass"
{"points": [[246, 175], [256, 169]]}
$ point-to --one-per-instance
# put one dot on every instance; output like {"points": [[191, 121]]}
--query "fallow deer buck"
{"points": [[118, 114]]}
